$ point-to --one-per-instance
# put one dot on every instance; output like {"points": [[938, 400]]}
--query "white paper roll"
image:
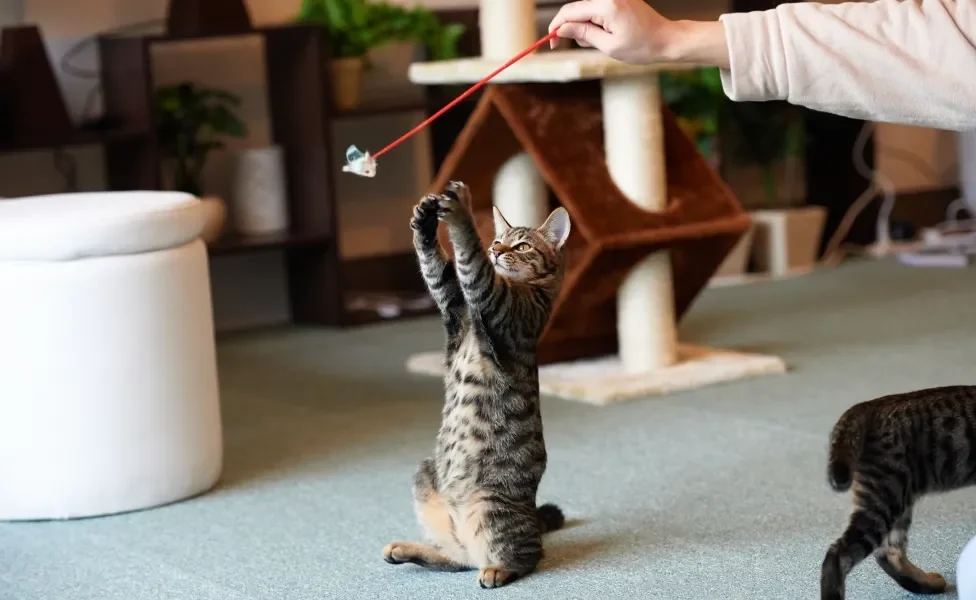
{"points": [[507, 27], [634, 140], [260, 192]]}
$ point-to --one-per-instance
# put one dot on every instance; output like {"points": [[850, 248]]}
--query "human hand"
{"points": [[627, 30]]}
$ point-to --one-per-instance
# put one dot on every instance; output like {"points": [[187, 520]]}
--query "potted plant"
{"points": [[190, 120], [768, 139], [696, 98], [354, 27]]}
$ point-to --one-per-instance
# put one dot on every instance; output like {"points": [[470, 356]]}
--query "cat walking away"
{"points": [[890, 452], [475, 497]]}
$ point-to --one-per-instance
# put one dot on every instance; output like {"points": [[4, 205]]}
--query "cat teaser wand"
{"points": [[363, 164]]}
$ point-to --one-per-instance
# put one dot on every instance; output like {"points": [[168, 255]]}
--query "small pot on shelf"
{"points": [[214, 207], [787, 240], [347, 81], [215, 220], [260, 192]]}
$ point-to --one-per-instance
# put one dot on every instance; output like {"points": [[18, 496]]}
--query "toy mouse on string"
{"points": [[359, 163], [363, 164]]}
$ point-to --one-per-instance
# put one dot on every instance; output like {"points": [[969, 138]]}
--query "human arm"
{"points": [[895, 61]]}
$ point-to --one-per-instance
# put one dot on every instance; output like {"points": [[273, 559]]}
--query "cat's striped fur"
{"points": [[891, 451], [476, 497]]}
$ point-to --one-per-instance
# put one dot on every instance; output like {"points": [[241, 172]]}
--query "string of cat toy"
{"points": [[363, 164]]}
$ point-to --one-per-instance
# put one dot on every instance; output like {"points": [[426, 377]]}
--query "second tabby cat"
{"points": [[476, 497], [891, 451]]}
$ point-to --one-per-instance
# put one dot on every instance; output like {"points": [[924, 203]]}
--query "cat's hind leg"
{"points": [[444, 554], [869, 526], [504, 541], [424, 555], [892, 557]]}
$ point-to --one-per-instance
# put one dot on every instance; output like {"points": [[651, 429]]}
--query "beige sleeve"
{"points": [[902, 61]]}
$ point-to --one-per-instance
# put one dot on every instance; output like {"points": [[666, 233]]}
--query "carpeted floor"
{"points": [[714, 494]]}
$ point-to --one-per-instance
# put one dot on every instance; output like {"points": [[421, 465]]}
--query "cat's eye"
{"points": [[523, 247]]}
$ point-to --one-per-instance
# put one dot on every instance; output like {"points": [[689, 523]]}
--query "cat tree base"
{"points": [[603, 381]]}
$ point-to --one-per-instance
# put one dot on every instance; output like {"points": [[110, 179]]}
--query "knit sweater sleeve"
{"points": [[901, 61]]}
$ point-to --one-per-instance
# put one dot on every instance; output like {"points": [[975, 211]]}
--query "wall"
{"points": [[249, 290]]}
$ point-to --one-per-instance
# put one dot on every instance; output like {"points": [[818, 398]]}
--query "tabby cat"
{"points": [[476, 497], [891, 451]]}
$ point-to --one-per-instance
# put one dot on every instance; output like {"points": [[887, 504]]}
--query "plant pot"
{"points": [[787, 239], [260, 192], [216, 218], [737, 261], [347, 82]]}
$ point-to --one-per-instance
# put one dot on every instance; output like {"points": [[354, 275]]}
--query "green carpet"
{"points": [[716, 494]]}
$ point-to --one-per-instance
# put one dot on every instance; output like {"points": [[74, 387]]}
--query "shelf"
{"points": [[417, 105], [233, 243], [78, 137], [163, 38]]}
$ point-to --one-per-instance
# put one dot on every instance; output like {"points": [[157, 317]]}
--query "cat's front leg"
{"points": [[437, 272], [475, 272]]}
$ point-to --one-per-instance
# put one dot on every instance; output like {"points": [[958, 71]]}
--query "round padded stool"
{"points": [[966, 572], [108, 380]]}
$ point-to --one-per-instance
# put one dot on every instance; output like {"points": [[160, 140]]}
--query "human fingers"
{"points": [[582, 11], [587, 35]]}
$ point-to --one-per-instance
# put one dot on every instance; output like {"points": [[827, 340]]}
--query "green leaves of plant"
{"points": [[189, 122], [762, 133], [353, 27]]}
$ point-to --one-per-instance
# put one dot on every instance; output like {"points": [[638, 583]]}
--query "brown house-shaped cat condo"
{"points": [[561, 127]]}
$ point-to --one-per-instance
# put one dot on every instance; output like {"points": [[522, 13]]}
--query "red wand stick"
{"points": [[364, 164]]}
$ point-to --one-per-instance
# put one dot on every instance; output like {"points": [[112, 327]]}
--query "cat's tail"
{"points": [[550, 517], [846, 442]]}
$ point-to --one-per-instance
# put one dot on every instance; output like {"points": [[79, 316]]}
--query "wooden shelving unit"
{"points": [[298, 101]]}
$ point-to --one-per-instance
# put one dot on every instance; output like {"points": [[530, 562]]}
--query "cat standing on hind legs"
{"points": [[476, 496], [890, 452]]}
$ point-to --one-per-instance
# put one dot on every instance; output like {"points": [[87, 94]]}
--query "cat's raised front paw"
{"points": [[425, 216], [459, 191], [454, 205], [449, 210]]}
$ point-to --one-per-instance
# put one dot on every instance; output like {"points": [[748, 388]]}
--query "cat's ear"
{"points": [[556, 228], [501, 225]]}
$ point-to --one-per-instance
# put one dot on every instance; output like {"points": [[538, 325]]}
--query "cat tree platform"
{"points": [[652, 221]]}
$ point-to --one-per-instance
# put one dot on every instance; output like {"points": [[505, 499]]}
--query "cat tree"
{"points": [[651, 221]]}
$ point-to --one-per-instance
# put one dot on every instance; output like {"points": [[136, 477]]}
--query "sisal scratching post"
{"points": [[508, 27], [520, 192], [633, 139]]}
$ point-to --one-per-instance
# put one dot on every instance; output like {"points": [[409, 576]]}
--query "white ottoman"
{"points": [[966, 572], [108, 381]]}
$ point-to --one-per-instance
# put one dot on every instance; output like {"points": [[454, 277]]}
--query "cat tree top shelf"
{"points": [[544, 67]]}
